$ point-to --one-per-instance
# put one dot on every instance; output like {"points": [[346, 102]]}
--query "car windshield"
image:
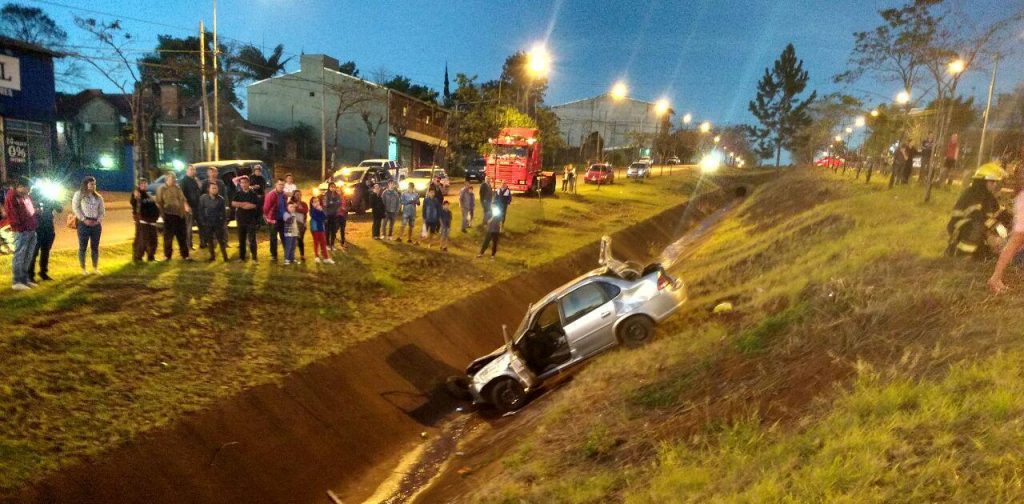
{"points": [[348, 175], [597, 168], [421, 174], [638, 165], [509, 151], [368, 164]]}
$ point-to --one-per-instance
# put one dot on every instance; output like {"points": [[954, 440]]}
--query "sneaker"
{"points": [[408, 241], [328, 261], [317, 260], [44, 277], [287, 262], [478, 256], [20, 287], [96, 271], [85, 271], [32, 284], [189, 259]]}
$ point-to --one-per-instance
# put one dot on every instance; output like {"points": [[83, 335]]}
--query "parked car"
{"points": [[421, 177], [617, 304], [356, 183], [226, 170], [600, 173], [476, 170], [672, 161], [395, 168], [638, 171], [830, 162]]}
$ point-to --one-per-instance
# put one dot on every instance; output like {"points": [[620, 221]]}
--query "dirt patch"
{"points": [[325, 426]]}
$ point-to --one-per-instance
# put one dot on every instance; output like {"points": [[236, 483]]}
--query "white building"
{"points": [[375, 122], [616, 120]]}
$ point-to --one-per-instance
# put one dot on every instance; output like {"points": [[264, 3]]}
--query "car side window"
{"points": [[547, 316], [583, 300], [610, 290]]}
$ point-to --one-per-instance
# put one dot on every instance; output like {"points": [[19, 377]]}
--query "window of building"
{"points": [[160, 146]]}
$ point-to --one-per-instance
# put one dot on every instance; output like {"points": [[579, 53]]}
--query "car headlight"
{"points": [[421, 186], [349, 190], [49, 189]]}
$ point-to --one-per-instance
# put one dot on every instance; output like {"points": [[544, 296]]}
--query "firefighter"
{"points": [[978, 226]]}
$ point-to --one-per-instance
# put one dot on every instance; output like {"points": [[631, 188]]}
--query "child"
{"points": [[446, 224], [317, 226], [431, 216], [291, 233]]}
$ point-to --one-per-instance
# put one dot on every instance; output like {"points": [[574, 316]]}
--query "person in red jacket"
{"points": [[21, 215], [275, 203]]}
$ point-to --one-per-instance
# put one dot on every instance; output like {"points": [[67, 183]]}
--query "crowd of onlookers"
{"points": [[176, 207]]}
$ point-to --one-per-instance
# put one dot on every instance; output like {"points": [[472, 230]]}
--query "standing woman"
{"points": [[87, 204], [301, 218]]}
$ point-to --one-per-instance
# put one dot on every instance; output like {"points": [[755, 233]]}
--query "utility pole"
{"points": [[988, 108], [323, 123], [216, 96], [205, 126]]}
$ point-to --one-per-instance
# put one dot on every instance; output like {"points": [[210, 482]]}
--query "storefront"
{"points": [[28, 104]]}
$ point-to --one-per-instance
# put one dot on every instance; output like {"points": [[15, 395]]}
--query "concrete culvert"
{"points": [[741, 191]]}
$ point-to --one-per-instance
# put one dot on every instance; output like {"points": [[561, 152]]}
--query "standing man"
{"points": [[493, 233], [952, 155], [174, 208], [247, 215], [392, 205], [289, 184], [21, 215], [45, 234], [257, 182], [503, 200], [926, 159], [145, 213], [332, 205], [212, 218], [467, 202], [410, 200], [275, 204], [378, 210], [191, 187], [486, 195]]}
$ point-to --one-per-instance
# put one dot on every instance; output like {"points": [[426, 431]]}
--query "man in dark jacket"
{"points": [[190, 185], [247, 215], [378, 209], [21, 216], [212, 215], [486, 194], [145, 213], [45, 234]]}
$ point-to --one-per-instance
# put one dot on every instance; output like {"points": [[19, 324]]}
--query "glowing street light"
{"points": [[538, 61], [661, 107], [687, 118], [839, 138], [860, 121], [874, 113], [705, 127], [711, 162], [619, 91], [849, 129], [718, 138], [957, 66], [903, 97]]}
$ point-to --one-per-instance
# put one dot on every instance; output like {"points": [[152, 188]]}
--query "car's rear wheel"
{"points": [[507, 395], [636, 331]]}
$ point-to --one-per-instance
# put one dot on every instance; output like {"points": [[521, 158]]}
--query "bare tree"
{"points": [[372, 126], [351, 95], [114, 65]]}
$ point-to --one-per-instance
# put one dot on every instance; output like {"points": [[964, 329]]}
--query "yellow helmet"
{"points": [[990, 171]]}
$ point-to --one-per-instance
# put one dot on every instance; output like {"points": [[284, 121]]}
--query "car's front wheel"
{"points": [[507, 395], [636, 331]]}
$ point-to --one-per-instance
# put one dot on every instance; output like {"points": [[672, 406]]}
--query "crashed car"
{"points": [[618, 303]]}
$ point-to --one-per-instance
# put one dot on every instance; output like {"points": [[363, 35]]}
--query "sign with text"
{"points": [[10, 73], [17, 149]]}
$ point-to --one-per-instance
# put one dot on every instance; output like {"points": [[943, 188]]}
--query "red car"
{"points": [[601, 173], [830, 162]]}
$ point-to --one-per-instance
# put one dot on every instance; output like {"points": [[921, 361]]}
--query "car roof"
{"points": [[594, 274], [217, 164]]}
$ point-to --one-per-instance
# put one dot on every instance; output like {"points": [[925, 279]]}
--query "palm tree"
{"points": [[257, 66]]}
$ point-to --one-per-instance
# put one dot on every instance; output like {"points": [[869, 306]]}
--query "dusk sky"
{"points": [[705, 56]]}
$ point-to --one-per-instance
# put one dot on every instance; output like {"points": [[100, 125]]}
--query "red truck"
{"points": [[516, 159]]}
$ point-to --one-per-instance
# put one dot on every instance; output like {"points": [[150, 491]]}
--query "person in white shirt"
{"points": [[87, 204]]}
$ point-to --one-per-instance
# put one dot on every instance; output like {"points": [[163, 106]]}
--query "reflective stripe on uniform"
{"points": [[966, 247]]}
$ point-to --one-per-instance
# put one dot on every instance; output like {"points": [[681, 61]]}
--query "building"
{"points": [[28, 107], [362, 120], [621, 123]]}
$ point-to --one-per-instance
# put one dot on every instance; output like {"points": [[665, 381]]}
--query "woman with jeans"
{"points": [[87, 204]]}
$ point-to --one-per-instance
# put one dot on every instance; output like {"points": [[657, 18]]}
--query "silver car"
{"points": [[638, 171], [618, 303]]}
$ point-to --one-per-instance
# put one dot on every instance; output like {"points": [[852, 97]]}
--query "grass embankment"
{"points": [[89, 362], [860, 365]]}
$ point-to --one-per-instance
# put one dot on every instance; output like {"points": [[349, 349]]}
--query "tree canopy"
{"points": [[777, 108]]}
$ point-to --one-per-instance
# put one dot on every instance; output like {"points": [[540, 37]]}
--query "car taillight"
{"points": [[663, 280]]}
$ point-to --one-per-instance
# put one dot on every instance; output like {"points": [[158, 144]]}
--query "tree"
{"points": [[403, 84], [351, 95], [177, 59], [33, 25], [372, 126], [776, 105], [349, 68], [828, 115], [303, 136], [256, 66]]}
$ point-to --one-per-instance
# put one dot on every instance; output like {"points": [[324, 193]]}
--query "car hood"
{"points": [[485, 362]]}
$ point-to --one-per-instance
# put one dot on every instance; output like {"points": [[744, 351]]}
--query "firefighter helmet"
{"points": [[990, 171]]}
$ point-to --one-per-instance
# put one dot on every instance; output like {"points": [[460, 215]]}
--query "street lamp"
{"points": [[538, 61], [661, 107], [849, 130], [839, 138], [718, 138], [705, 127], [687, 118], [957, 66], [619, 91], [903, 97], [860, 121], [874, 113]]}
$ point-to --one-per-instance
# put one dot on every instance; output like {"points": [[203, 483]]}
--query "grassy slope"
{"points": [[860, 365], [89, 362]]}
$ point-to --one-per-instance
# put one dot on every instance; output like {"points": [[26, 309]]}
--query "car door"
{"points": [[589, 312]]}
